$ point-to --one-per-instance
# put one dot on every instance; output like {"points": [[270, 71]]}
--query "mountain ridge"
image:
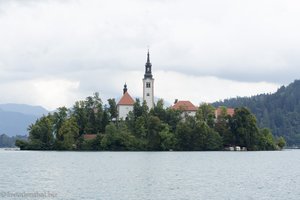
{"points": [[15, 118]]}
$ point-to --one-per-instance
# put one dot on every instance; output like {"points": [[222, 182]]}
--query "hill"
{"points": [[279, 111], [24, 109], [15, 118]]}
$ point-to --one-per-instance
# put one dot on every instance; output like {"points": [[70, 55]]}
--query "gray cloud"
{"points": [[100, 44]]}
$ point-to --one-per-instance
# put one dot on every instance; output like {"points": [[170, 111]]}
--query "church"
{"points": [[125, 105]]}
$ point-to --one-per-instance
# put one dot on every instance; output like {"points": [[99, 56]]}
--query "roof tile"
{"points": [[185, 106], [126, 100]]}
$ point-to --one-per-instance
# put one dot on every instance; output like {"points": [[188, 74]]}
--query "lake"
{"points": [[150, 175]]}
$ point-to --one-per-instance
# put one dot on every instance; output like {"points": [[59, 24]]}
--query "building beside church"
{"points": [[125, 105], [225, 111], [186, 107]]}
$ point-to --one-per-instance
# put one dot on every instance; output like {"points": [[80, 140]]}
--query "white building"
{"points": [[125, 105], [148, 84], [186, 107]]}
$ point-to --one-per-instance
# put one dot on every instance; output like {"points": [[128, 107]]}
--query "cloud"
{"points": [[207, 89], [249, 46], [49, 93]]}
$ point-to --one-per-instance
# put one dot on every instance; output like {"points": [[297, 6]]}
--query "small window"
{"points": [[148, 85], [148, 94]]}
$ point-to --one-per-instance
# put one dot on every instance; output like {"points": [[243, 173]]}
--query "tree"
{"points": [[266, 140], [41, 134], [184, 134], [112, 109], [94, 110], [244, 128], [153, 130], [206, 113], [223, 128], [59, 117], [80, 114], [281, 142], [213, 140], [159, 110], [137, 109], [173, 117], [69, 133], [167, 138], [118, 139], [105, 120]]}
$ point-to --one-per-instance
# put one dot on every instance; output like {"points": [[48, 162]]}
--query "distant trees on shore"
{"points": [[6, 141], [158, 129]]}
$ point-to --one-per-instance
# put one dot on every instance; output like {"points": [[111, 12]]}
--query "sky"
{"points": [[55, 52]]}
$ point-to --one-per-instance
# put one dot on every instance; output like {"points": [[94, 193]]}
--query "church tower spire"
{"points": [[125, 88], [148, 84], [148, 66]]}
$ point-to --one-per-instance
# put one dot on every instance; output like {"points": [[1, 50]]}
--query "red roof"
{"points": [[126, 100], [229, 111], [89, 136], [184, 106]]}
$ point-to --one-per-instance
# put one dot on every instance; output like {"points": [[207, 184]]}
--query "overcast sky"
{"points": [[53, 53]]}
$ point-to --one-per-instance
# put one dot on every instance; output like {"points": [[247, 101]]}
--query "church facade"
{"points": [[125, 105]]}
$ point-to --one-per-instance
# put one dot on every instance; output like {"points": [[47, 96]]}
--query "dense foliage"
{"points": [[279, 111], [159, 129]]}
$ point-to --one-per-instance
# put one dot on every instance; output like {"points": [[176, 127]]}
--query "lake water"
{"points": [[150, 175]]}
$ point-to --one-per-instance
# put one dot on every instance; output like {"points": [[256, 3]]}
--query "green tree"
{"points": [[41, 134], [112, 109], [69, 133], [223, 128], [159, 110], [184, 134], [94, 110], [167, 138], [59, 117], [206, 113], [153, 137], [105, 120], [173, 117], [243, 126], [80, 114], [281, 142], [266, 140], [118, 139]]}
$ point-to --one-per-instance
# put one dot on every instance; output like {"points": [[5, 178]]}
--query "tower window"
{"points": [[148, 85], [148, 94]]}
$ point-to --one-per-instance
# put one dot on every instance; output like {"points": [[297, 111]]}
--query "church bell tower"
{"points": [[148, 84]]}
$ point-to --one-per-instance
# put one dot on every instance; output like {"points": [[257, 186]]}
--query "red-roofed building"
{"points": [[89, 136], [186, 106], [125, 105], [229, 111]]}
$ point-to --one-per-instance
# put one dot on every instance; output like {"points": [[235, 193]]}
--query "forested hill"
{"points": [[279, 111]]}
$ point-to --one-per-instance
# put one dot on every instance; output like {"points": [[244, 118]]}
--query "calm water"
{"points": [[150, 175]]}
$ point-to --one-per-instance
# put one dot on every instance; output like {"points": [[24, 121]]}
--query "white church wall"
{"points": [[123, 111]]}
